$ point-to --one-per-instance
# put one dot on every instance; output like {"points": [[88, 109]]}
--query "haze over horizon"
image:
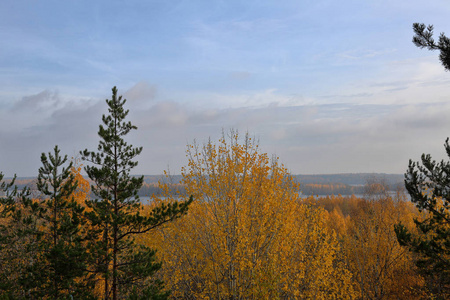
{"points": [[327, 86]]}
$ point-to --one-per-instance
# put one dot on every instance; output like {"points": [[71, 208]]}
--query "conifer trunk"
{"points": [[105, 238], [116, 214], [55, 240], [115, 185]]}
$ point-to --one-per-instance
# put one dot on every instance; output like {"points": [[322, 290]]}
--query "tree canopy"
{"points": [[247, 234]]}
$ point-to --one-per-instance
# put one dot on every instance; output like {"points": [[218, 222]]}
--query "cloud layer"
{"points": [[327, 86], [309, 137]]}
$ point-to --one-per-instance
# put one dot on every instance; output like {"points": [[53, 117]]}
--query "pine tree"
{"points": [[66, 255], [9, 197], [116, 216], [59, 271], [428, 184], [49, 257], [423, 38]]}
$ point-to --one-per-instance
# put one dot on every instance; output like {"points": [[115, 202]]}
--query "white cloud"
{"points": [[308, 138]]}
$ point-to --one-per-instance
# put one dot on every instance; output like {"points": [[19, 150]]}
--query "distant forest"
{"points": [[320, 184]]}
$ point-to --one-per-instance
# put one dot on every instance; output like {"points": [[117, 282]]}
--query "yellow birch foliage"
{"points": [[81, 194], [382, 268], [247, 235]]}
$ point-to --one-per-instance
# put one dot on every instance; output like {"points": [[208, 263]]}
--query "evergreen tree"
{"points": [[428, 184], [9, 196], [423, 38], [16, 240], [66, 255], [59, 270], [49, 257], [116, 213]]}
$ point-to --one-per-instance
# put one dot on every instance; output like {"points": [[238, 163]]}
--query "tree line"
{"points": [[153, 188]]}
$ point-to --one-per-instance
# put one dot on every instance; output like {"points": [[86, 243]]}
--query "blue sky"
{"points": [[328, 86]]}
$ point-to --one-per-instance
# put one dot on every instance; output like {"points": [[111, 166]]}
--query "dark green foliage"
{"points": [[59, 268], [423, 38], [152, 291], [16, 242], [428, 184], [8, 193], [42, 239], [142, 285], [116, 212], [55, 249], [429, 187]]}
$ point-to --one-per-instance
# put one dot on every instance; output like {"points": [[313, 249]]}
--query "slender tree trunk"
{"points": [[105, 240], [55, 241], [114, 283], [116, 211]]}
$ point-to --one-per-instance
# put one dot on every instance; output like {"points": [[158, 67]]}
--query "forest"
{"points": [[234, 226]]}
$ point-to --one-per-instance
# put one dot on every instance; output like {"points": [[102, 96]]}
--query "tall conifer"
{"points": [[428, 184], [65, 252], [116, 211], [60, 268], [49, 257]]}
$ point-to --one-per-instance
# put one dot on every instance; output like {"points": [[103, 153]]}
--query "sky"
{"points": [[327, 86]]}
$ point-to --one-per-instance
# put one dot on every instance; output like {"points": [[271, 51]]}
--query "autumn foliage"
{"points": [[249, 235], [237, 228]]}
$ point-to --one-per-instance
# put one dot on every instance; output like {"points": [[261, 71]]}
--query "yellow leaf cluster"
{"points": [[248, 235], [380, 267]]}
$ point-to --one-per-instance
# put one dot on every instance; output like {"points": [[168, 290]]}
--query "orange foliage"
{"points": [[247, 234], [381, 268]]}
